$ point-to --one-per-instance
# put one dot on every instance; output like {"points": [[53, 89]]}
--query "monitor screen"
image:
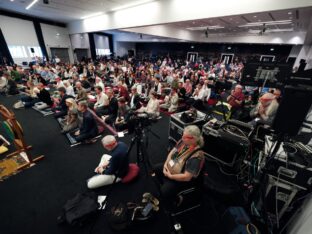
{"points": [[270, 74]]}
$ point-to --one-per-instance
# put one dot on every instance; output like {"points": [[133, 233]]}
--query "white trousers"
{"points": [[102, 180]]}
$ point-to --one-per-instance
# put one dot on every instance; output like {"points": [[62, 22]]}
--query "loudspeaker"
{"points": [[293, 109], [302, 65], [32, 50]]}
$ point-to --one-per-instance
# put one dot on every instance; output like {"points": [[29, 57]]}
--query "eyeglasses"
{"points": [[187, 137]]}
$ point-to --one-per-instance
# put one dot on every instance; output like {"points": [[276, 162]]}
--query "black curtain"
{"points": [[40, 39], [92, 46], [5, 57]]}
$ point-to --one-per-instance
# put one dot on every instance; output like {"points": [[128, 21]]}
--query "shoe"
{"points": [[18, 105], [151, 198]]}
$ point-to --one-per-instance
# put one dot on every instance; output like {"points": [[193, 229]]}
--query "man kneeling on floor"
{"points": [[110, 166]]}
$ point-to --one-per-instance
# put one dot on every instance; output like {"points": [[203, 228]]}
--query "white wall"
{"points": [[51, 39], [80, 41], [101, 41], [168, 11], [18, 32], [121, 48], [305, 53], [303, 222]]}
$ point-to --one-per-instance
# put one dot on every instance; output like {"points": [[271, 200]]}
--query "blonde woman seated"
{"points": [[171, 101], [71, 121], [152, 107], [182, 166]]}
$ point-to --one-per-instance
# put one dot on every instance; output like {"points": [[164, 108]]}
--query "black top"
{"points": [[45, 97], [62, 103], [88, 125], [182, 92], [136, 101], [119, 162], [113, 107]]}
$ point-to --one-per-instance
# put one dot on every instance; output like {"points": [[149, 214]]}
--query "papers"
{"points": [[101, 200], [120, 134]]}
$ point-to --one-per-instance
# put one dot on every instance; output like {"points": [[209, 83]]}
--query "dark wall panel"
{"points": [[212, 50]]}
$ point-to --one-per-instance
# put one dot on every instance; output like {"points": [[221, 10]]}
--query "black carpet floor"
{"points": [[31, 200]]}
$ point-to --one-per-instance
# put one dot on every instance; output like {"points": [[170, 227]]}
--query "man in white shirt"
{"points": [[101, 98]]}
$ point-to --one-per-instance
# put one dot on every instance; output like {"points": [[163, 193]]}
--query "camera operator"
{"points": [[122, 115]]}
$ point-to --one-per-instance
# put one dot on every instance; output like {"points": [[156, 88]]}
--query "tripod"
{"points": [[140, 139]]}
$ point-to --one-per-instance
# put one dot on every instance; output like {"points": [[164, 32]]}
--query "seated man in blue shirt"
{"points": [[88, 128], [110, 166]]}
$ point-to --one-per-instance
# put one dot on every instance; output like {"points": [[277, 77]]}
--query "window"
{"points": [[103, 52], [37, 52], [18, 51]]}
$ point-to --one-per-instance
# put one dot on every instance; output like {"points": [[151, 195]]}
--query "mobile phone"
{"points": [[147, 209]]}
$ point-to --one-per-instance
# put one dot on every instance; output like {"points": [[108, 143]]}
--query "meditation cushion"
{"points": [[132, 173]]}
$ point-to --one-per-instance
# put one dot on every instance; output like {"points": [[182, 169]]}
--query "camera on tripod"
{"points": [[138, 121]]}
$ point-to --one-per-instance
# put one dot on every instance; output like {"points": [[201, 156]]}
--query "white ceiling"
{"points": [[63, 10], [300, 20]]}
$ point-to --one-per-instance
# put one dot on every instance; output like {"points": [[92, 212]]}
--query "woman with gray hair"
{"points": [[183, 164]]}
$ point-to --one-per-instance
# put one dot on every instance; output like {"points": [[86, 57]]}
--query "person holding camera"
{"points": [[111, 166]]}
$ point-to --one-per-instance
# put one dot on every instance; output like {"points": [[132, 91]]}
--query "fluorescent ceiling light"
{"points": [[92, 15], [266, 23], [133, 4], [31, 4], [204, 28]]}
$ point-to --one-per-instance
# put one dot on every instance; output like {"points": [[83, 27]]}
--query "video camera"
{"points": [[138, 121]]}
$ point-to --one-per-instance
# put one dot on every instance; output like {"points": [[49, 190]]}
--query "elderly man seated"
{"points": [[265, 111], [111, 166]]}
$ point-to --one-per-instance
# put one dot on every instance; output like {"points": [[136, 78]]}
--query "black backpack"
{"points": [[79, 209]]}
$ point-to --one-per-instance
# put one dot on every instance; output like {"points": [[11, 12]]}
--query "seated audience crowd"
{"points": [[108, 90]]}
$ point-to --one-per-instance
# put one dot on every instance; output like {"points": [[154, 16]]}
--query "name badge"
{"points": [[171, 163]]}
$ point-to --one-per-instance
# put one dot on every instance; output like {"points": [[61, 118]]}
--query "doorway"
{"points": [[61, 53]]}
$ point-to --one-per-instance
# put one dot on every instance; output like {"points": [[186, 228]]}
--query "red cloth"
{"points": [[132, 173]]}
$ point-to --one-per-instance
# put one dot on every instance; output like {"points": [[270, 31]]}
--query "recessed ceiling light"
{"points": [[272, 49], [57, 34], [137, 3], [31, 4], [255, 16], [289, 13], [12, 0], [229, 48], [92, 15]]}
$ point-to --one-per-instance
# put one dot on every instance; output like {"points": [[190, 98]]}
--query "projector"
{"points": [[46, 1]]}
